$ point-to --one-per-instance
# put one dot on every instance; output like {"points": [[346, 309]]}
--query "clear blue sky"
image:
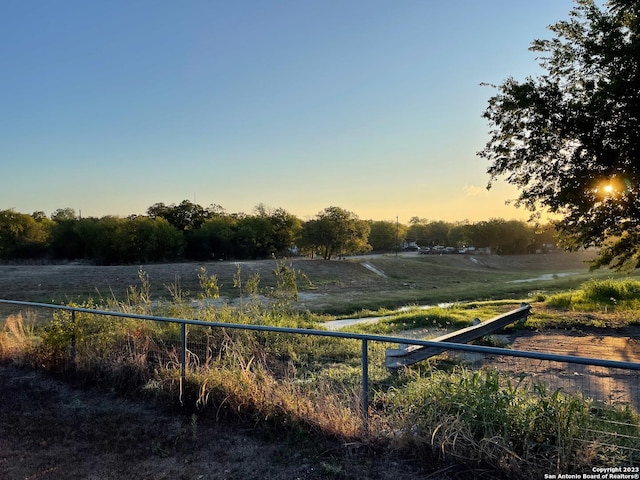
{"points": [[370, 105]]}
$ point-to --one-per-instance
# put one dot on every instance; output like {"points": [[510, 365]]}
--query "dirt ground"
{"points": [[610, 385], [333, 282], [50, 430], [621, 344]]}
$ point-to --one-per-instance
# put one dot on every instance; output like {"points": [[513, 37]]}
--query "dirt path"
{"points": [[622, 344], [610, 385]]}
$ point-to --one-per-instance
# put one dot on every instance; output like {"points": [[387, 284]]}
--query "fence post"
{"points": [[364, 400], [183, 352], [73, 339]]}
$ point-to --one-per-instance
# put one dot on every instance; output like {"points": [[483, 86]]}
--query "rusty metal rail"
{"points": [[409, 354]]}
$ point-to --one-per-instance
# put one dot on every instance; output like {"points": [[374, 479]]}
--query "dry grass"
{"points": [[341, 286], [54, 431], [18, 337], [256, 394], [477, 419], [305, 388]]}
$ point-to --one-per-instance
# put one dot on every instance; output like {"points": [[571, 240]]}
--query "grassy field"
{"points": [[335, 287], [303, 391]]}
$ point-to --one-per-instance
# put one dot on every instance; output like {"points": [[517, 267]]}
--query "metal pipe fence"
{"points": [[324, 357]]}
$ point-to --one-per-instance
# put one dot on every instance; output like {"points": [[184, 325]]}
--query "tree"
{"points": [[214, 239], [21, 236], [569, 139], [184, 216], [66, 241], [63, 215], [459, 234], [504, 237], [310, 237], [154, 239], [254, 237], [544, 237], [286, 231], [112, 240], [339, 232], [437, 233], [39, 216], [516, 237], [148, 240], [385, 236], [418, 232]]}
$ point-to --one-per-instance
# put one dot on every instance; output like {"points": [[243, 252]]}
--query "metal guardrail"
{"points": [[363, 338], [403, 357]]}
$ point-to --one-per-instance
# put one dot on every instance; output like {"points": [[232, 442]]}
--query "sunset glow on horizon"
{"points": [[375, 107]]}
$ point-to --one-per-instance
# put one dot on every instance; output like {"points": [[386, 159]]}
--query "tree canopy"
{"points": [[267, 233], [569, 138], [337, 231]]}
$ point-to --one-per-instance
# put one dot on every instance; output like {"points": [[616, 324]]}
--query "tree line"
{"points": [[188, 231]]}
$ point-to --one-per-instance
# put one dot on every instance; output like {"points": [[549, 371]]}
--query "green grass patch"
{"points": [[455, 316], [435, 317], [600, 295]]}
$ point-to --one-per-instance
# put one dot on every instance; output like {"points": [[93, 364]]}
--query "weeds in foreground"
{"points": [[312, 384], [513, 425], [18, 337]]}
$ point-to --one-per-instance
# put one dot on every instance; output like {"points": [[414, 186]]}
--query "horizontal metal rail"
{"points": [[363, 338], [356, 336]]}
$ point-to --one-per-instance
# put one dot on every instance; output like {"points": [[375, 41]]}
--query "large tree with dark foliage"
{"points": [[336, 231], [184, 216], [569, 139]]}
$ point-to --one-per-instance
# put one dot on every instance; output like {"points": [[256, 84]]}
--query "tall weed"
{"points": [[312, 384], [18, 337], [512, 425]]}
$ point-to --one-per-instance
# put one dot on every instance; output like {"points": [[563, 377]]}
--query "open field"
{"points": [[344, 286], [51, 430], [339, 286]]}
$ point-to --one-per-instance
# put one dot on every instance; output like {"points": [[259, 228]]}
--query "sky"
{"points": [[374, 106]]}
